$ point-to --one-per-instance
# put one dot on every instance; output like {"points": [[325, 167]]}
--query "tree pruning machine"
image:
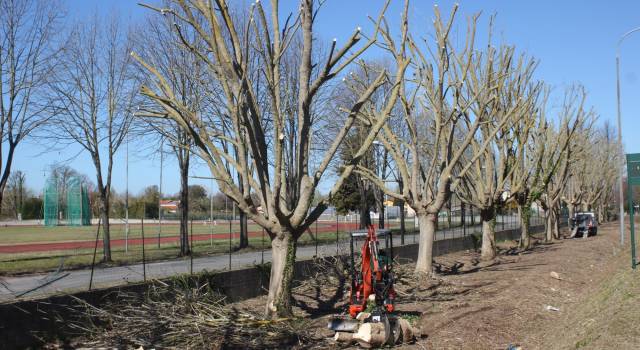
{"points": [[371, 297]]}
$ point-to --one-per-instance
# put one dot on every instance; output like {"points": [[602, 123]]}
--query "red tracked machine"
{"points": [[375, 275], [371, 281]]}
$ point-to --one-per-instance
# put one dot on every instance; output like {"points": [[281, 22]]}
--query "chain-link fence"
{"points": [[147, 249]]}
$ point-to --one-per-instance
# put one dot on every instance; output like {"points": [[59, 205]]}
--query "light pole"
{"points": [[160, 194], [126, 200], [621, 166]]}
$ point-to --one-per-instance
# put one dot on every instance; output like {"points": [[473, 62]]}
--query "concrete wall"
{"points": [[24, 323]]}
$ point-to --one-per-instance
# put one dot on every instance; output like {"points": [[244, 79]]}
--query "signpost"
{"points": [[633, 179]]}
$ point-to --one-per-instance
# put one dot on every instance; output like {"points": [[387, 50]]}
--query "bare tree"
{"points": [[561, 143], [262, 133], [92, 96], [510, 102], [16, 189], [158, 44], [575, 192], [616, 156], [544, 153], [450, 103], [600, 172], [28, 44]]}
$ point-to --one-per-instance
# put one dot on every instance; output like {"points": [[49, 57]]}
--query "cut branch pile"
{"points": [[181, 317]]}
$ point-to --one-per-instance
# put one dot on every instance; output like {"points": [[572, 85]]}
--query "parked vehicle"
{"points": [[584, 222]]}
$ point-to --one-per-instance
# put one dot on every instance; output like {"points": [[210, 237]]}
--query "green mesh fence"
{"points": [[86, 209], [51, 202], [78, 213]]}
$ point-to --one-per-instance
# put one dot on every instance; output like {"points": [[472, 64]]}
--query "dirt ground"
{"points": [[571, 294], [512, 301]]}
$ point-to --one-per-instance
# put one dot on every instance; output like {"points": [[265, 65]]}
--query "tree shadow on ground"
{"points": [[326, 298]]}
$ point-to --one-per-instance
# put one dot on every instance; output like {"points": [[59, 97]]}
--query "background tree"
{"points": [[375, 160], [284, 180], [17, 193], [562, 142], [92, 94], [28, 48], [62, 173], [159, 45]]}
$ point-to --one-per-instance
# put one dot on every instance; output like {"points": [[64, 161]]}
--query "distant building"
{"points": [[169, 206]]}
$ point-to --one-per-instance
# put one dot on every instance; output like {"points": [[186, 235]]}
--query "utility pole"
{"points": [[621, 149], [211, 212], [126, 199], [160, 194]]}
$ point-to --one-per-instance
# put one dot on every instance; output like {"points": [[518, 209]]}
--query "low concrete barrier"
{"points": [[26, 324]]}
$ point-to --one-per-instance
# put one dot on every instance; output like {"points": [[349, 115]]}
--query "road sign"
{"points": [[633, 179], [633, 168]]}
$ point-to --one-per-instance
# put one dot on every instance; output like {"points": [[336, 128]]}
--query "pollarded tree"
{"points": [[510, 101], [612, 162], [572, 109], [439, 125], [601, 169], [278, 183], [575, 190], [544, 153]]}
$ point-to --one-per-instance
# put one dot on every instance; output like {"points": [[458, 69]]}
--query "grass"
{"points": [[19, 263], [29, 262], [44, 234], [607, 319]]}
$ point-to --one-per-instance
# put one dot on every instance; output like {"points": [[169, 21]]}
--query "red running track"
{"points": [[53, 246]]}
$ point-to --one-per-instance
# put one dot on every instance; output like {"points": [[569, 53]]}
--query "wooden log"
{"points": [[408, 332], [371, 335], [343, 337]]}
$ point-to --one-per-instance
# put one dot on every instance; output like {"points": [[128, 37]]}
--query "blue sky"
{"points": [[574, 41]]}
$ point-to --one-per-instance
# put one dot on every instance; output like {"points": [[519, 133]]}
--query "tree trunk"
{"points": [[556, 222], [7, 169], [571, 210], [549, 225], [488, 218], [283, 250], [402, 227], [244, 236], [365, 216], [473, 217], [601, 213], [427, 227], [184, 208], [106, 236], [524, 212], [449, 214], [244, 233]]}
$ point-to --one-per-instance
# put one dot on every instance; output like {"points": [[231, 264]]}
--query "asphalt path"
{"points": [[61, 282]]}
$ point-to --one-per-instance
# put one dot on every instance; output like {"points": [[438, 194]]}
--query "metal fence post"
{"points": [[191, 248], [95, 250], [230, 228], [337, 225], [144, 263]]}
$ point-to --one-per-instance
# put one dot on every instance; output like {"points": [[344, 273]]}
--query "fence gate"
{"points": [[633, 179]]}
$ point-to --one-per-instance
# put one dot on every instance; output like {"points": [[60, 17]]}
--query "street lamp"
{"points": [[621, 201]]}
